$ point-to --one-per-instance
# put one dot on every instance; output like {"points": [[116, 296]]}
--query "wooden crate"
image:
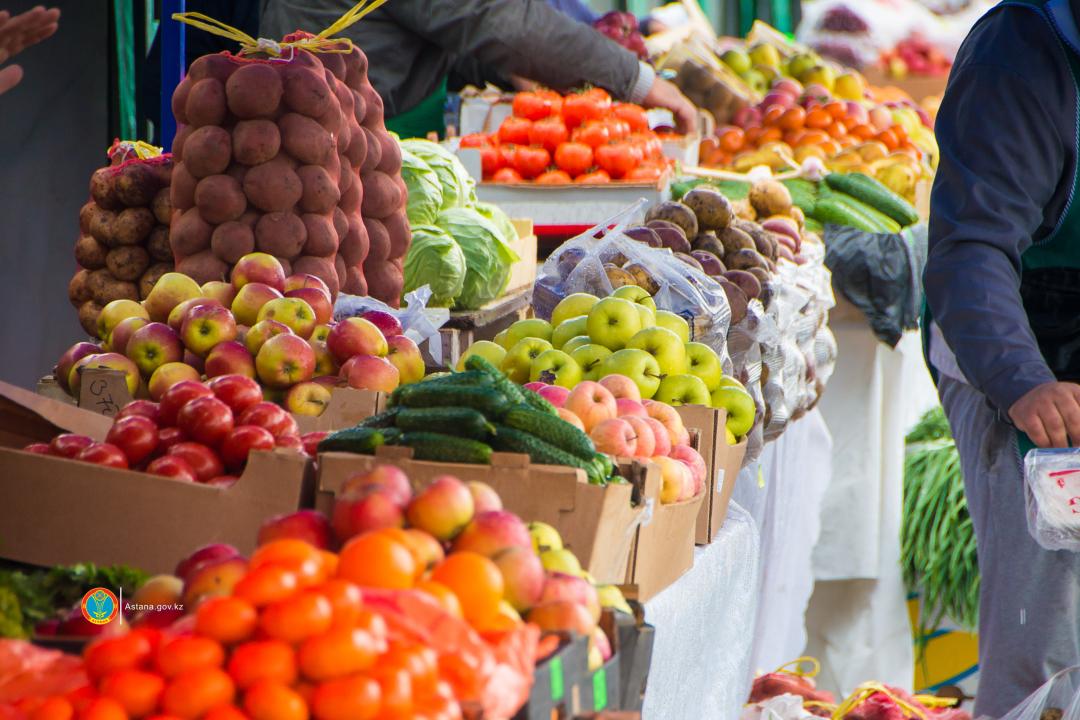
{"points": [[465, 328]]}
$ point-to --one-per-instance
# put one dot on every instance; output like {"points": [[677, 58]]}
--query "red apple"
{"points": [[311, 526], [174, 467], [104, 454], [143, 408], [176, 397], [195, 361], [370, 508], [219, 290], [311, 441], [249, 300], [292, 311], [121, 334], [206, 420], [367, 372], [289, 442], [38, 449], [270, 416], [262, 331], [168, 375], [205, 326], [392, 479], [169, 436], [285, 360], [69, 445], [203, 556], [258, 267], [355, 336], [179, 313], [237, 391], [229, 358], [136, 435], [75, 353], [318, 300], [403, 354], [222, 481], [202, 459], [325, 365], [388, 325], [300, 281], [307, 398], [239, 443]]}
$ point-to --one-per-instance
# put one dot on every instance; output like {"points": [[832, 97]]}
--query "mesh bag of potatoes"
{"points": [[282, 148], [123, 245]]}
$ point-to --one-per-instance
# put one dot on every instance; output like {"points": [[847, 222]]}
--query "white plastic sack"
{"points": [[781, 707], [1053, 497], [419, 322], [1061, 693]]}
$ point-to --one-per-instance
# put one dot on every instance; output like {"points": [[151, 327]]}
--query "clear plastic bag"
{"points": [[781, 707], [419, 322], [1052, 478], [1058, 698]]}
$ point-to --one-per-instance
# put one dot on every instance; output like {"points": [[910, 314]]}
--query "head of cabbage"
{"points": [[436, 260], [499, 219], [458, 187], [425, 189], [487, 256]]}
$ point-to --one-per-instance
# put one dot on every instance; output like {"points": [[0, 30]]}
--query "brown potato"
{"points": [[359, 107], [88, 317], [373, 118], [114, 289], [306, 91], [250, 218], [103, 189], [127, 262], [95, 282], [355, 246], [321, 194], [179, 139], [397, 227], [255, 141], [643, 277], [79, 288], [136, 184], [335, 63], [219, 66], [305, 139], [182, 189], [86, 214], [133, 226], [384, 281], [737, 300], [231, 241], [151, 276], [189, 234], [341, 222], [378, 241], [356, 67], [390, 162], [322, 238], [346, 176], [203, 267], [273, 186], [746, 282], [162, 206], [179, 99], [734, 239], [374, 152], [205, 103], [90, 253], [340, 269], [382, 196], [322, 268], [207, 151], [254, 91], [219, 199], [101, 226], [281, 234], [332, 121], [355, 282], [352, 198], [161, 167], [357, 149], [344, 96], [286, 265], [744, 260]]}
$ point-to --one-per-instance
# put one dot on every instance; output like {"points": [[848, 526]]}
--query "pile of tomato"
{"points": [[584, 138]]}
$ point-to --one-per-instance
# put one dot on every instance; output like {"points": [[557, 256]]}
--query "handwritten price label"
{"points": [[103, 391]]}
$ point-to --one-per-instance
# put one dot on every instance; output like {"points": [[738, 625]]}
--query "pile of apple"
{"points": [[590, 338], [198, 432], [262, 325]]}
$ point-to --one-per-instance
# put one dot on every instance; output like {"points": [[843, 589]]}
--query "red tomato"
{"points": [[515, 131], [270, 416], [645, 172], [531, 105], [206, 420], [633, 115], [239, 392], [573, 157], [146, 408], [600, 177], [475, 140], [581, 107], [167, 437], [311, 441], [204, 461], [553, 177], [69, 445], [554, 99], [176, 397], [507, 175], [105, 454], [549, 133], [172, 467], [593, 133], [241, 441], [618, 158], [490, 160], [650, 144], [620, 129], [600, 95], [530, 161], [136, 435]]}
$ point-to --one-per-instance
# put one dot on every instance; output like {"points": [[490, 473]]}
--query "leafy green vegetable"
{"points": [[458, 188], [425, 190], [487, 256], [499, 219], [435, 259]]}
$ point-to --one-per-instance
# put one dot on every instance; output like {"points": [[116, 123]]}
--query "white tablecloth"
{"points": [[704, 630]]}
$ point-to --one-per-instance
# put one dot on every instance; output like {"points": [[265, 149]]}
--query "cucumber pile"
{"points": [[463, 417], [851, 199]]}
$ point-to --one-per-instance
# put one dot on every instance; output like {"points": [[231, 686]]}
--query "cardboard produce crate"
{"points": [[347, 407], [722, 464], [596, 522]]}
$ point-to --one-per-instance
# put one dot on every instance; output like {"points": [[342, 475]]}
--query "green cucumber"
{"points": [[537, 402], [446, 448], [835, 212], [488, 400], [508, 439], [460, 421], [866, 189], [359, 440], [384, 419], [551, 429], [498, 378]]}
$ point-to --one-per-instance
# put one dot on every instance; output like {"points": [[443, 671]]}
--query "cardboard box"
{"points": [[347, 407], [523, 272], [722, 464], [26, 417], [466, 327], [597, 522]]}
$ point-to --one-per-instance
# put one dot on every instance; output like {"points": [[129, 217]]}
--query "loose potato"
{"points": [[179, 99], [382, 196], [390, 162], [322, 238], [306, 91], [373, 118], [179, 139], [161, 206], [378, 240], [352, 198], [203, 267], [373, 156], [305, 139], [712, 209], [709, 243], [127, 262], [79, 288], [355, 246], [254, 90], [219, 199], [671, 235], [255, 141], [114, 289], [384, 281], [231, 241], [136, 185], [691, 261], [286, 265], [397, 226], [101, 226], [86, 214], [273, 186], [206, 103], [189, 234], [103, 189], [734, 240], [746, 282], [643, 277], [770, 197], [133, 226], [151, 276], [322, 268], [158, 244], [744, 260], [357, 149], [645, 235], [675, 212], [207, 151], [355, 282], [90, 253], [237, 172], [281, 234], [220, 67], [88, 317], [744, 210], [341, 222]]}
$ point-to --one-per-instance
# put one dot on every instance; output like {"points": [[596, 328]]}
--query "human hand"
{"points": [[665, 95], [20, 32], [1049, 414], [655, 26]]}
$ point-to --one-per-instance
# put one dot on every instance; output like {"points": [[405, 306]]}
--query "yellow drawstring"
{"points": [[796, 667], [141, 150], [866, 690]]}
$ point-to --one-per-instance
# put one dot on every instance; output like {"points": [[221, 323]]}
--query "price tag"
{"points": [[103, 390], [720, 480], [558, 689], [599, 690]]}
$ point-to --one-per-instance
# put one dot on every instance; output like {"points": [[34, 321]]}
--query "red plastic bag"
{"points": [[27, 671], [793, 681]]}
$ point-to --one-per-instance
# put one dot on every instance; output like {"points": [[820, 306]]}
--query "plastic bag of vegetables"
{"points": [[425, 189], [458, 187], [435, 260], [487, 256]]}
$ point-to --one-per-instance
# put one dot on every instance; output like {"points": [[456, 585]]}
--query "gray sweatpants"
{"points": [[1029, 604]]}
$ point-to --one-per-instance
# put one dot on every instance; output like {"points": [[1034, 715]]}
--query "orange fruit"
{"points": [[298, 617], [266, 584], [395, 689], [227, 619], [443, 594], [189, 652], [225, 712], [770, 134], [337, 653], [374, 560], [81, 697], [818, 118], [268, 700], [119, 652], [349, 698], [262, 660], [793, 118], [863, 132], [329, 561], [103, 709], [192, 694], [137, 691], [792, 137], [732, 139], [752, 136], [888, 137], [837, 130], [475, 580], [830, 147], [54, 708], [813, 137], [420, 661], [301, 557], [837, 110], [424, 548], [772, 115], [345, 600]]}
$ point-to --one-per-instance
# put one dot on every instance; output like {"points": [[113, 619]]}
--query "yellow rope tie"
{"points": [[933, 701], [321, 43], [865, 691], [795, 667], [141, 150]]}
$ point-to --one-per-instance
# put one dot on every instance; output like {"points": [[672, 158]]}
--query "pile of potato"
{"points": [[123, 246], [290, 157]]}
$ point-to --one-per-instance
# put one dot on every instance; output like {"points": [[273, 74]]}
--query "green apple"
{"points": [[568, 329], [492, 352], [648, 317], [555, 367], [531, 328], [730, 437], [572, 306], [638, 365], [519, 358], [590, 357], [500, 339], [663, 345], [575, 342], [740, 409], [685, 389], [701, 360], [636, 294], [612, 322], [737, 60], [674, 323], [727, 381]]}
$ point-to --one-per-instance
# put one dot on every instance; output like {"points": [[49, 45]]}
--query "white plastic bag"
{"points": [[1061, 693], [1053, 498], [781, 707], [419, 322]]}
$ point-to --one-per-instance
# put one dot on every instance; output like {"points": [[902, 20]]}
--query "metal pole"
{"points": [[173, 64]]}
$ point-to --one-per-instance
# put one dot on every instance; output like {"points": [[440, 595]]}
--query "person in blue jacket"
{"points": [[1002, 286]]}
